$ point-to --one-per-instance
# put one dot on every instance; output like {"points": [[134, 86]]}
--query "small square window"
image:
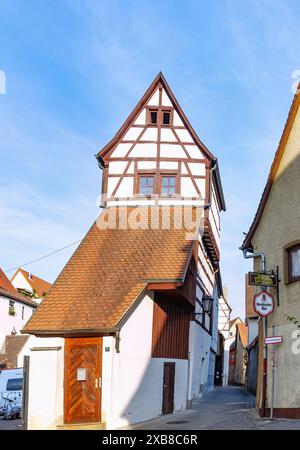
{"points": [[146, 185], [168, 184], [166, 118], [153, 117]]}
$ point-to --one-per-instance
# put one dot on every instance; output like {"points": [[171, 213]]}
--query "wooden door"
{"points": [[168, 388], [83, 371]]}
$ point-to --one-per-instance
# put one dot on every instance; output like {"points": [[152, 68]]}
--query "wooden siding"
{"points": [[170, 334]]}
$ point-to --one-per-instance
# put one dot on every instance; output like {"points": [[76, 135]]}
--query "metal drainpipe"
{"points": [[265, 349], [208, 205], [101, 167]]}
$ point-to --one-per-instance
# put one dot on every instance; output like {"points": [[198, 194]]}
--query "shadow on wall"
{"points": [[164, 350]]}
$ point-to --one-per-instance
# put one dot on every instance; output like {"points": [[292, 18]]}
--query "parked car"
{"points": [[11, 389]]}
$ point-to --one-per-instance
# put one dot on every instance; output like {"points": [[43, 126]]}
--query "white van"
{"points": [[11, 386]]}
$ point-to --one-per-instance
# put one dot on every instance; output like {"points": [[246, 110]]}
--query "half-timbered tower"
{"points": [[133, 316]]}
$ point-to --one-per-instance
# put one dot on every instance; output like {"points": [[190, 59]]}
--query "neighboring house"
{"points": [[232, 337], [224, 329], [15, 311], [275, 234], [238, 355], [251, 322], [251, 317], [219, 360], [129, 329], [30, 285]]}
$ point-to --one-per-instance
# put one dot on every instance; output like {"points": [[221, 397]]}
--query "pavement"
{"points": [[230, 408], [15, 424]]}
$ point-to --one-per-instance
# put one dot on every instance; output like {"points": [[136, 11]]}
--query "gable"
{"points": [[159, 94]]}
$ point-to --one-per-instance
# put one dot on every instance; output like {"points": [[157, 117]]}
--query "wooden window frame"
{"points": [[288, 250], [137, 183], [168, 174], [160, 110], [148, 116], [171, 111]]}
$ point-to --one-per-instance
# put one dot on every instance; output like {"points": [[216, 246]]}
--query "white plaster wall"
{"points": [[20, 281], [226, 363], [126, 188], [144, 150], [187, 188], [172, 151], [46, 379], [132, 134], [150, 134], [8, 323], [194, 151], [200, 342], [136, 379], [252, 329], [166, 134], [121, 150], [141, 118], [117, 167]]}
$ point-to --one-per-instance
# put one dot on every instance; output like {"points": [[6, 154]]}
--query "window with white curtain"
{"points": [[294, 263]]}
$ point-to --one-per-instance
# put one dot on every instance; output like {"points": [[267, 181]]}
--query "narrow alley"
{"points": [[229, 408]]}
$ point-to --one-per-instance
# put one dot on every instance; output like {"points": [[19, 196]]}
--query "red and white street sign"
{"points": [[263, 303], [273, 340]]}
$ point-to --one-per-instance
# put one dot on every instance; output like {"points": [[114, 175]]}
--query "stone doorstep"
{"points": [[82, 426]]}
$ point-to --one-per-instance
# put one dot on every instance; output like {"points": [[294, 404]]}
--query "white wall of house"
{"points": [[20, 282], [252, 325], [46, 382], [133, 381], [8, 323], [200, 341]]}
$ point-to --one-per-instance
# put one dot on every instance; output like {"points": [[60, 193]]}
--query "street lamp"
{"points": [[207, 302]]}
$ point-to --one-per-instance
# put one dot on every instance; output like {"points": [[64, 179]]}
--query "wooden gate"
{"points": [[83, 371], [168, 388]]}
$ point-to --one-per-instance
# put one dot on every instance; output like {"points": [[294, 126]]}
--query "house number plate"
{"points": [[81, 374]]}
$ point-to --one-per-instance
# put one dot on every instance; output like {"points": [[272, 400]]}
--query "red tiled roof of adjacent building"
{"points": [[108, 272], [9, 291], [40, 286], [243, 332]]}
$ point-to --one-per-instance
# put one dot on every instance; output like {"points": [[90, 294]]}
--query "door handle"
{"points": [[98, 383]]}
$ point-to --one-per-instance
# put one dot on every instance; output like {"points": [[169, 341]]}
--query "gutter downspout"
{"points": [[101, 167], [212, 169], [265, 351]]}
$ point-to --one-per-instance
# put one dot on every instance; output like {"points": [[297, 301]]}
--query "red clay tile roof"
{"points": [[243, 332], [9, 291], [40, 286], [107, 273]]}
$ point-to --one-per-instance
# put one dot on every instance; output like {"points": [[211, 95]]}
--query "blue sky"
{"points": [[76, 68]]}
